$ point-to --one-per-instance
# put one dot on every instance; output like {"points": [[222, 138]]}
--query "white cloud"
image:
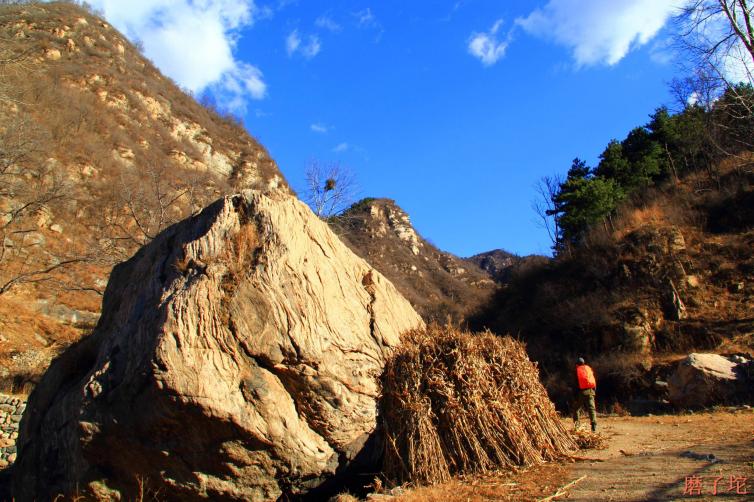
{"points": [[234, 85], [365, 17], [294, 44], [486, 46], [319, 127], [192, 42], [327, 23], [662, 51], [312, 48], [340, 148], [599, 31]]}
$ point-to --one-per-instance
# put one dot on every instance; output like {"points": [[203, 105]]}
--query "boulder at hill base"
{"points": [[236, 358], [709, 379]]}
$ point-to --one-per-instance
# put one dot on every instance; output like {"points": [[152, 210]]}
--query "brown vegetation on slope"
{"points": [[675, 275], [438, 284], [98, 153]]}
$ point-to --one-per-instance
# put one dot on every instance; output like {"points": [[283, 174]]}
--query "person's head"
{"points": [[580, 361]]}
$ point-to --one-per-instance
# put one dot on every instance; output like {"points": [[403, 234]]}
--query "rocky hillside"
{"points": [[674, 275], [497, 263], [438, 284], [99, 152], [501, 265]]}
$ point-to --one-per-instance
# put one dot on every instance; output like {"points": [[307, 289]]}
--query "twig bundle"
{"points": [[456, 403], [587, 440]]}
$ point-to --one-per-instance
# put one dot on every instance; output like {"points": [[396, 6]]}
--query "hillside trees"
{"points": [[583, 199], [716, 38], [665, 148]]}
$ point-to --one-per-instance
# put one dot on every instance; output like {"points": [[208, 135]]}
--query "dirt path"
{"points": [[644, 461], [648, 459]]}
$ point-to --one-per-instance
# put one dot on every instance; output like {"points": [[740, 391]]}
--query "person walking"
{"points": [[586, 389]]}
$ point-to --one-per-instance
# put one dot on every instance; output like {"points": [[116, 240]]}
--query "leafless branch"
{"points": [[544, 205], [330, 188]]}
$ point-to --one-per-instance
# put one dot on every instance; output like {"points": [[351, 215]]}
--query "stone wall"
{"points": [[11, 409]]}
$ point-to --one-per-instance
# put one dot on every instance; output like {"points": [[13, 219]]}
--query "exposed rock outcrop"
{"points": [[497, 263], [705, 380], [438, 284], [236, 358]]}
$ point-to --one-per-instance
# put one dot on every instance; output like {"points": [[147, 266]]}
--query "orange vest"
{"points": [[586, 377]]}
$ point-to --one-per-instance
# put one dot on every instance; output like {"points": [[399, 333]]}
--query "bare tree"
{"points": [[330, 189], [547, 189], [147, 199], [717, 38], [30, 188]]}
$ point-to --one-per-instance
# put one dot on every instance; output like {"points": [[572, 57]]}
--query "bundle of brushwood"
{"points": [[587, 440], [457, 403]]}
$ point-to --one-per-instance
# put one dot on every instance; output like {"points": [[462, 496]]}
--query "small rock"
{"points": [[56, 228], [676, 241], [53, 54]]}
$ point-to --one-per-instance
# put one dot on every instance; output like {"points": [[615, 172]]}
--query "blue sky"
{"points": [[453, 108]]}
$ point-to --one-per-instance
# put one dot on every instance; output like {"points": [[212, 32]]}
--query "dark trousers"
{"points": [[585, 399]]}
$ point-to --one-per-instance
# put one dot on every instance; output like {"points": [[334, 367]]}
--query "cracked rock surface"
{"points": [[236, 358]]}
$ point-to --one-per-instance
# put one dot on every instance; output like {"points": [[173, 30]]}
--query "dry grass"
{"points": [[523, 485], [455, 403], [240, 253], [587, 440], [344, 497]]}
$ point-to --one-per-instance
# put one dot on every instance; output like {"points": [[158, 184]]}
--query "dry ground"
{"points": [[642, 462]]}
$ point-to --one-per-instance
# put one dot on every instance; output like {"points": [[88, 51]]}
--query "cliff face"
{"points": [[99, 152], [237, 357], [436, 283]]}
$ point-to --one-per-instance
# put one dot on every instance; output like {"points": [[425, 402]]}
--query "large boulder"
{"points": [[704, 380], [236, 358]]}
